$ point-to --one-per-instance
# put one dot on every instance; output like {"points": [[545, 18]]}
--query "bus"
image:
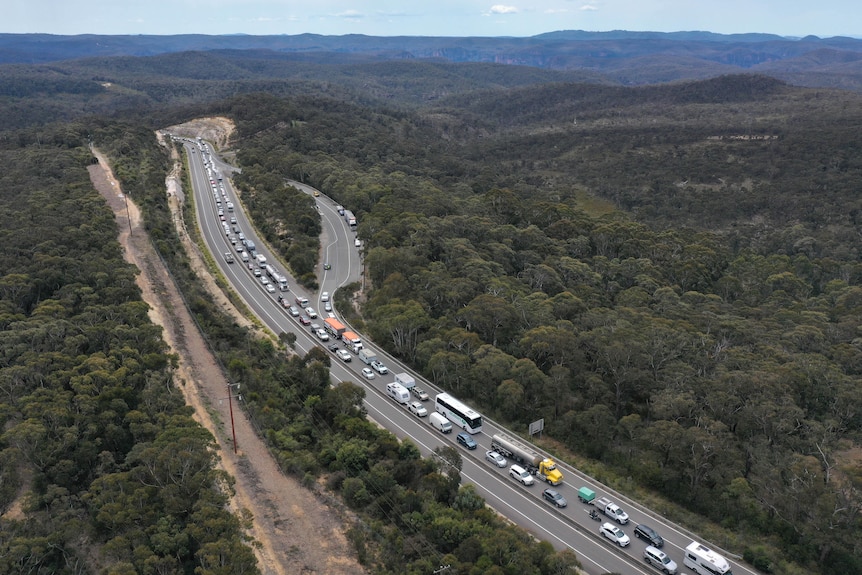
{"points": [[458, 413], [704, 561]]}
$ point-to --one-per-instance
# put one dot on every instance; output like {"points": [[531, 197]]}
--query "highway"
{"points": [[567, 528]]}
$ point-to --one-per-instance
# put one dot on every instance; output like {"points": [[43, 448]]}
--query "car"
{"points": [[304, 320], [659, 559], [379, 367], [554, 497], [521, 475], [418, 409], [233, 219], [241, 236], [649, 535], [465, 439], [419, 394], [495, 458], [333, 347], [251, 266], [311, 313], [344, 355], [233, 240], [264, 280], [324, 296], [270, 288], [239, 249], [327, 266], [327, 307], [322, 335], [256, 272], [357, 242], [367, 373], [615, 534], [293, 311]]}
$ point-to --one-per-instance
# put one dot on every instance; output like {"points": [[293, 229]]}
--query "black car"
{"points": [[467, 441], [647, 533], [554, 497]]}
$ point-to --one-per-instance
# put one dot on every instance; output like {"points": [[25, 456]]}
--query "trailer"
{"points": [[406, 380], [367, 356], [542, 467], [334, 327]]}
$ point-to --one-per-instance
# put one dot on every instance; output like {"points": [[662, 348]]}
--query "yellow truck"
{"points": [[542, 467]]}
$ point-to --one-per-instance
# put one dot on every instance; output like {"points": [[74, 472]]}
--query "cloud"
{"points": [[351, 14], [501, 9], [588, 8]]}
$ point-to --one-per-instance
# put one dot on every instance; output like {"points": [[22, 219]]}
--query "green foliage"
{"points": [[701, 342], [96, 446]]}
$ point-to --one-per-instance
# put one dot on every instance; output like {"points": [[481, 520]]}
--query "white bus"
{"points": [[458, 413], [704, 561]]}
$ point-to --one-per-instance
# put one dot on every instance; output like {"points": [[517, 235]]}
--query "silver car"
{"points": [[495, 458]]}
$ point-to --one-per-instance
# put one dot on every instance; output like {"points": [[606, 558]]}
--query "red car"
{"points": [[304, 320]]}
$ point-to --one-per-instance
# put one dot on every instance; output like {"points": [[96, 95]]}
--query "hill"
{"points": [[613, 54]]}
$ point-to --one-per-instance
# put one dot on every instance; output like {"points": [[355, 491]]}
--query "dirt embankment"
{"points": [[294, 530]]}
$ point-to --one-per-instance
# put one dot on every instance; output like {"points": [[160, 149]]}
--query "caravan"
{"points": [[397, 392], [704, 561]]}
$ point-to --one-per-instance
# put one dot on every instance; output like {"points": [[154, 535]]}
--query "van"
{"points": [[244, 256], [660, 560], [400, 394], [520, 474], [301, 301], [261, 259], [440, 423]]}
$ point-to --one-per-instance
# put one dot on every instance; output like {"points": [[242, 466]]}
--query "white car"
{"points": [[327, 307], [367, 373], [615, 534], [309, 311], [344, 355], [324, 296], [521, 474], [321, 333], [495, 458], [270, 288], [418, 409]]}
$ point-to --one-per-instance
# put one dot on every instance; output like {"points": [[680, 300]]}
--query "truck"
{"points": [[249, 245], [334, 327], [261, 259], [542, 467], [612, 510], [366, 355], [352, 341], [406, 380], [350, 219]]}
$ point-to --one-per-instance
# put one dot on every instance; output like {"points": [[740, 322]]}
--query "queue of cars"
{"points": [[652, 554]]}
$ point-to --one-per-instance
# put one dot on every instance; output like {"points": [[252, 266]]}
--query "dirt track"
{"points": [[294, 530]]}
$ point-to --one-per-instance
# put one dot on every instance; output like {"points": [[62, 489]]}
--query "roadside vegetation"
{"points": [[700, 340]]}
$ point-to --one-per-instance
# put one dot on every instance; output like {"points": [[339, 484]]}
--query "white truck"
{"points": [[406, 380], [367, 356], [612, 510]]}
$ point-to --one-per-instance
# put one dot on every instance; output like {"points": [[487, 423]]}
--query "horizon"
{"points": [[437, 18]]}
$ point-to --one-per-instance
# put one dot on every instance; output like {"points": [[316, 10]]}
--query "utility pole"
{"points": [[230, 405]]}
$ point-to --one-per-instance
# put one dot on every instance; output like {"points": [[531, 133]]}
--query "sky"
{"points": [[520, 18]]}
